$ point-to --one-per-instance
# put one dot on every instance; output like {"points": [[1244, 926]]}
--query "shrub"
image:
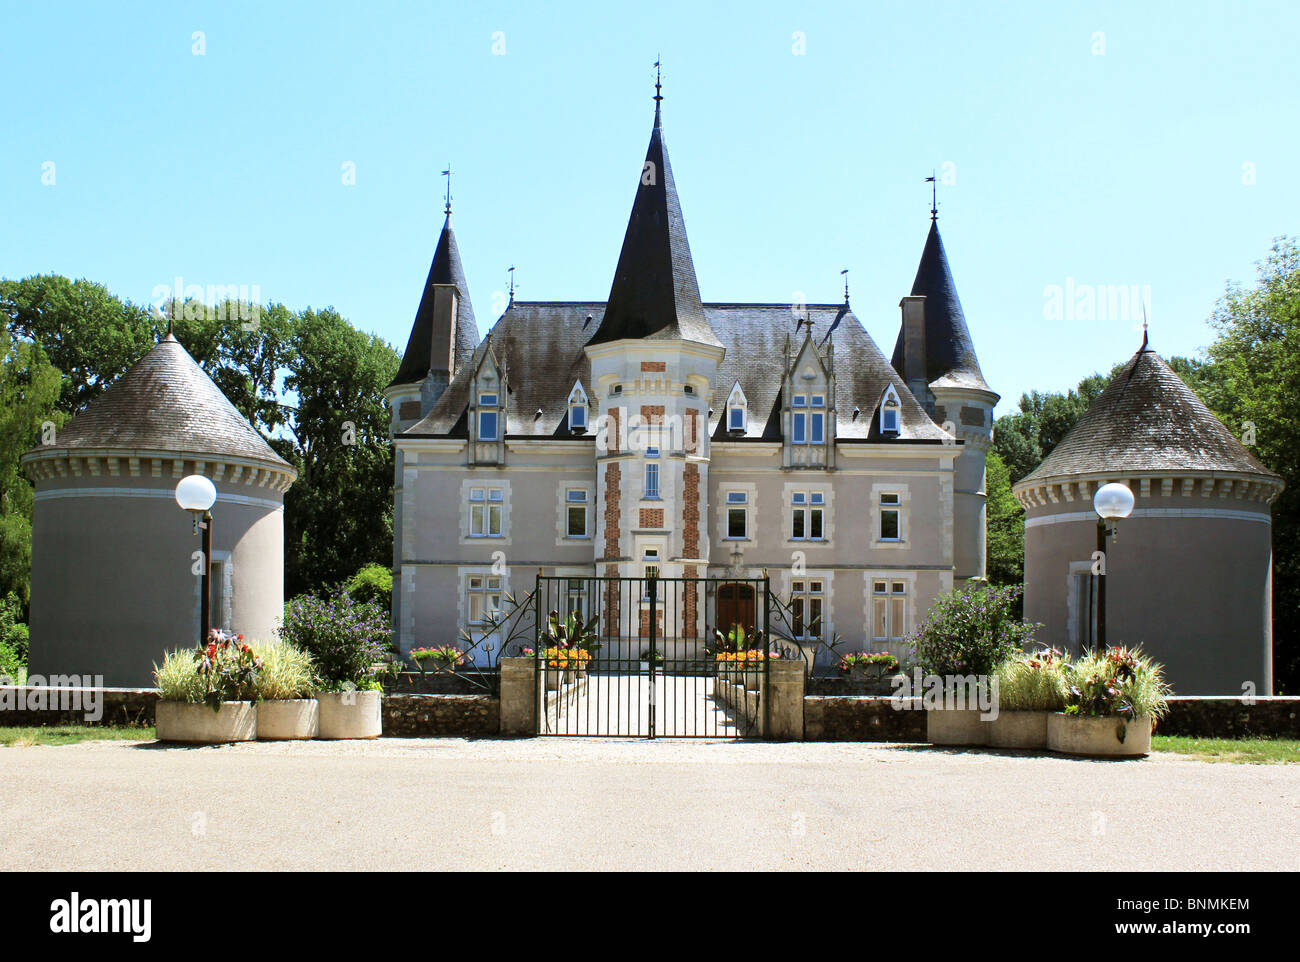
{"points": [[971, 630], [287, 671], [373, 583], [1032, 682], [343, 637], [225, 670], [1119, 682], [13, 636]]}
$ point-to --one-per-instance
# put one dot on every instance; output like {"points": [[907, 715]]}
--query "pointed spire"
{"points": [[655, 293], [658, 97], [418, 360], [949, 351]]}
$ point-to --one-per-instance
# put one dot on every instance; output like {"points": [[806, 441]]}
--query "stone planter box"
{"points": [[956, 726], [1018, 729], [1108, 737], [280, 719], [351, 714], [178, 721]]}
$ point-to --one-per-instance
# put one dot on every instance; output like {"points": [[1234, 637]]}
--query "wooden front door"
{"points": [[735, 607]]}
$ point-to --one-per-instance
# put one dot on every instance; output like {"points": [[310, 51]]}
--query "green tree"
{"points": [[1255, 383], [1006, 526], [90, 335], [29, 391], [339, 513]]}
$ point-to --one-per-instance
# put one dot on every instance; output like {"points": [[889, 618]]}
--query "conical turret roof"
{"points": [[1146, 420], [655, 294], [445, 269], [165, 403], [949, 351]]}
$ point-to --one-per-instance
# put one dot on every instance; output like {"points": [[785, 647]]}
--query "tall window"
{"points": [[485, 512], [737, 514], [808, 424], [574, 597], [487, 417], [735, 418], [576, 507], [578, 417], [799, 425], [888, 610], [891, 525], [817, 435], [651, 473], [806, 520], [806, 609], [483, 597]]}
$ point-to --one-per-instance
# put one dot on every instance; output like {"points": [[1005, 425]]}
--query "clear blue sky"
{"points": [[1124, 168]]}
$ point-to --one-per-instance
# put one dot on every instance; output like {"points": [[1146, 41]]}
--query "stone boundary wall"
{"points": [[826, 717]]}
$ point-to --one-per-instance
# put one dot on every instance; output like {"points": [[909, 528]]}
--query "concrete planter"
{"points": [[553, 678], [955, 726], [351, 714], [751, 678], [178, 721], [288, 718], [1105, 736], [1018, 729]]}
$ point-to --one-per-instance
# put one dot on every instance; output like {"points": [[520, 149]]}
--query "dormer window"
{"points": [[689, 390], [808, 420], [578, 409], [487, 417], [736, 410], [615, 390], [890, 413]]}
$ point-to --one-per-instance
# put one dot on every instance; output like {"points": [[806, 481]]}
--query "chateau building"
{"points": [[656, 433]]}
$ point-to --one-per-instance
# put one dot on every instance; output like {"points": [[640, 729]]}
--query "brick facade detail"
{"points": [[613, 507], [652, 518], [657, 366], [691, 510]]}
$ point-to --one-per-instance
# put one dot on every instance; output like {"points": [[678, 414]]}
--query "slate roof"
{"points": [[445, 269], [949, 351], [1146, 420], [541, 345], [165, 402], [655, 294]]}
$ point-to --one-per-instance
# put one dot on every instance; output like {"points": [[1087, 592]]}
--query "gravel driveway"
{"points": [[595, 804]]}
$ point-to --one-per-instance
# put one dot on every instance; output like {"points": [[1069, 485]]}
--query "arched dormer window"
{"points": [[578, 409], [737, 411], [891, 413]]}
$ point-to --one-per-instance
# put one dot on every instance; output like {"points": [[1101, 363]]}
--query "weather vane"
{"points": [[447, 173], [934, 196], [511, 272], [845, 272], [658, 96]]}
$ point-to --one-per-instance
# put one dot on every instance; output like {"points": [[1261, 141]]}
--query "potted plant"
{"points": [[208, 695], [557, 662], [1030, 688], [868, 667], [753, 665], [1112, 700], [968, 633], [441, 657], [286, 685], [645, 659], [345, 640]]}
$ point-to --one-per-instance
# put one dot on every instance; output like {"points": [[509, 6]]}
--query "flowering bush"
{"points": [[564, 658], [971, 630], [1117, 682], [344, 638], [444, 657], [572, 632], [879, 663], [1033, 682]]}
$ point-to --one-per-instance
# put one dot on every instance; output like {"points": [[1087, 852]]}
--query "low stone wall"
{"points": [[44, 706], [440, 683], [1271, 716], [430, 716], [861, 718]]}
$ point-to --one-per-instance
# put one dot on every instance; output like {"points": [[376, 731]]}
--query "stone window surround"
{"points": [[827, 578], [909, 577], [1072, 612], [751, 507], [904, 498], [463, 574], [484, 481], [827, 491], [562, 536]]}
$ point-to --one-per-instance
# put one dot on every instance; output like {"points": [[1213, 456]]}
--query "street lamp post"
{"points": [[196, 494], [1112, 502]]}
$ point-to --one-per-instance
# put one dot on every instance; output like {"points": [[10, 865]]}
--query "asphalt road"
{"points": [[604, 804]]}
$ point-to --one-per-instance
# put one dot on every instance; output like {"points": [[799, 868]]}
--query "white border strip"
{"points": [[1225, 514], [58, 493]]}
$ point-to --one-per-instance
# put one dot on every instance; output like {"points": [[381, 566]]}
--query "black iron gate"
{"points": [[651, 657]]}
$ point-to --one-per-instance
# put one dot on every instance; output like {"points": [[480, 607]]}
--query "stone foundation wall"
{"points": [[861, 718], [431, 716], [1202, 716], [58, 706]]}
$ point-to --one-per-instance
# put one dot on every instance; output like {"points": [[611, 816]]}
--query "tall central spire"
{"points": [[655, 293]]}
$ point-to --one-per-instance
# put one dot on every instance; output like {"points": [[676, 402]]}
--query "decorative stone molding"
{"points": [[1237, 487], [42, 464]]}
